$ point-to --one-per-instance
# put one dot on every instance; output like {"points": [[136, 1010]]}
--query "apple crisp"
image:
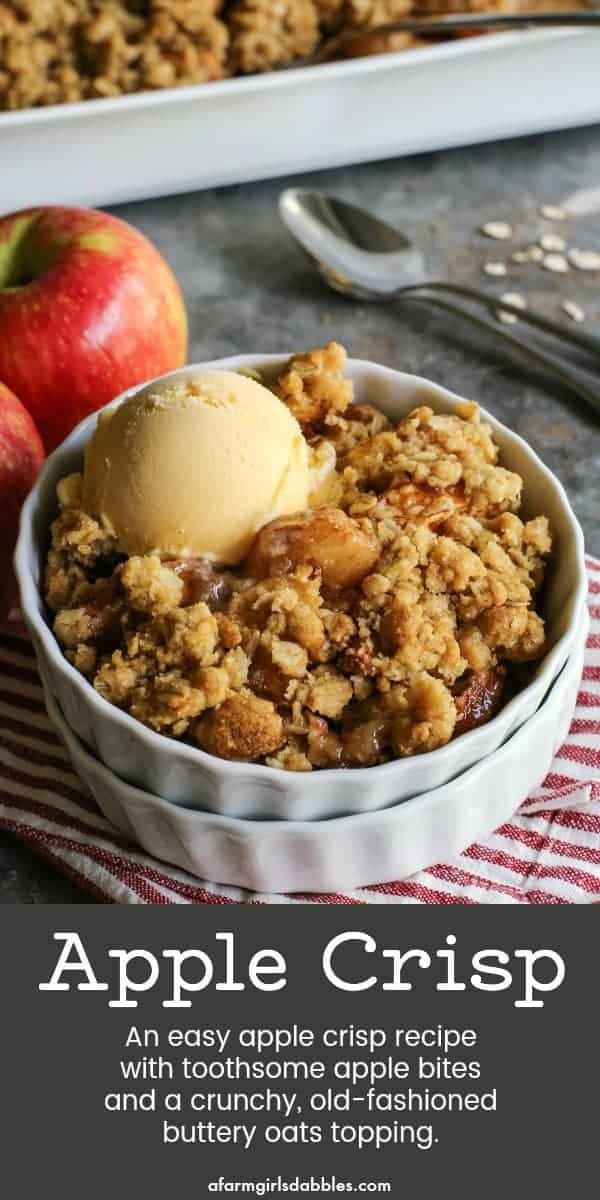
{"points": [[57, 51], [382, 622]]}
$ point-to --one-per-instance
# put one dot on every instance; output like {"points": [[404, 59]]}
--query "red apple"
{"points": [[88, 307], [21, 456]]}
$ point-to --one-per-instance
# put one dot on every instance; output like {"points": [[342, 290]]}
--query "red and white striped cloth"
{"points": [[549, 853]]}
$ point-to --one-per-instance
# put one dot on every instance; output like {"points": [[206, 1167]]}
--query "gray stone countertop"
{"points": [[249, 289]]}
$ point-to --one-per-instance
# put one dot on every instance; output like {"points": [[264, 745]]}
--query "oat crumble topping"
{"points": [[379, 624], [57, 51], [60, 51]]}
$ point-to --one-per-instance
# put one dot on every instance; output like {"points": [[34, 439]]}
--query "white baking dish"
{"points": [[323, 856], [155, 143]]}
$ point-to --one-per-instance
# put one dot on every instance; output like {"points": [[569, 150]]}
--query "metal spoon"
{"points": [[360, 256], [448, 23]]}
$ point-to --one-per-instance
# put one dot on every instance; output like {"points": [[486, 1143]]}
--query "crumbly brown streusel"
{"points": [[378, 624], [57, 51]]}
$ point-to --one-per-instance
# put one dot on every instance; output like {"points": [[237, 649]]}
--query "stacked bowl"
{"points": [[272, 830]]}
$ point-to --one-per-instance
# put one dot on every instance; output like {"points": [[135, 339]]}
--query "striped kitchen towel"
{"points": [[548, 853]]}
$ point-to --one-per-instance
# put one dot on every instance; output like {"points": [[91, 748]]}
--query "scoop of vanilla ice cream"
{"points": [[195, 466]]}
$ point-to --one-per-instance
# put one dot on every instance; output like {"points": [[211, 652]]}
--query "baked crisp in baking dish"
{"points": [[56, 51], [381, 622]]}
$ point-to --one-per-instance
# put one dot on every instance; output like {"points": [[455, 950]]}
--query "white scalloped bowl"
{"points": [[345, 852], [186, 775]]}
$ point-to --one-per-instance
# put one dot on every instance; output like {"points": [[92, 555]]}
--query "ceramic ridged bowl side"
{"points": [[348, 852], [183, 774]]}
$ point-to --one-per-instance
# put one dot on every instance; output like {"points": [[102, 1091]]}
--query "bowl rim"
{"points": [[33, 605], [273, 825]]}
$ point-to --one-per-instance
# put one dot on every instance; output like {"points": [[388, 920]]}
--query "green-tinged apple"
{"points": [[21, 456], [88, 307]]}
